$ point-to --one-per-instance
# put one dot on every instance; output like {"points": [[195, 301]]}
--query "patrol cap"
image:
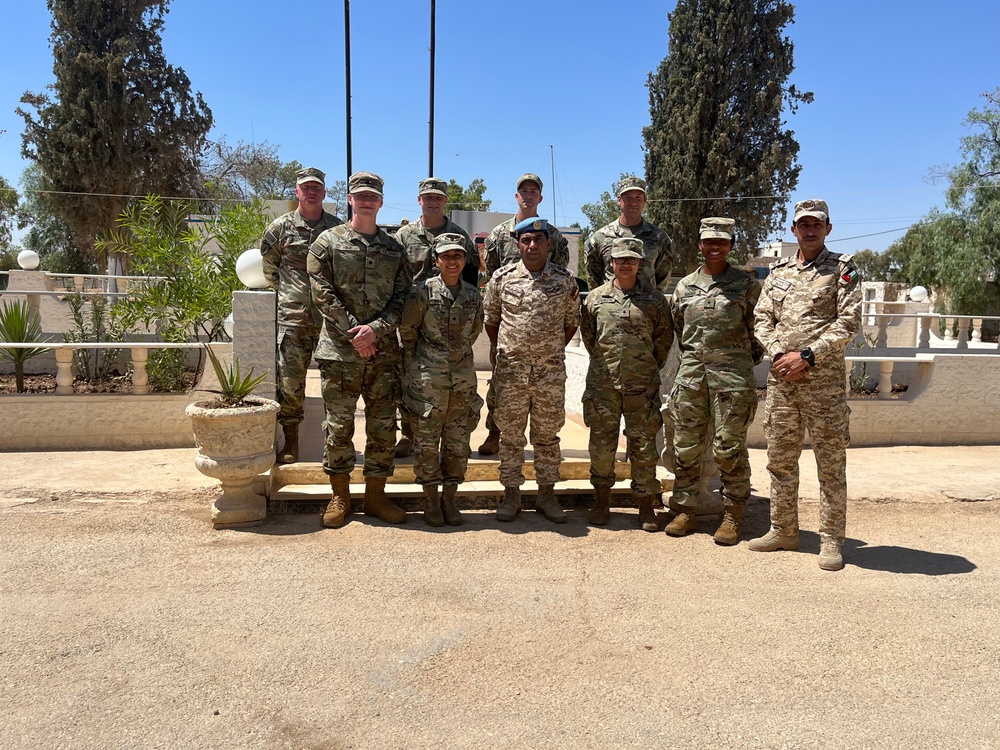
{"points": [[717, 227], [448, 241], [631, 183], [433, 186], [812, 207], [627, 247], [365, 182], [534, 224], [529, 177], [310, 174]]}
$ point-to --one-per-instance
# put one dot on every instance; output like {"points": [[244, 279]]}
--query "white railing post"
{"points": [[64, 371], [924, 338], [963, 333], [977, 330], [883, 331], [885, 380], [140, 380], [949, 328]]}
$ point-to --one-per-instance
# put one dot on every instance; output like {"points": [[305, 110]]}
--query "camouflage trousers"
{"points": [[603, 409], [491, 406], [295, 350], [724, 418], [819, 405], [523, 390], [343, 383], [440, 422]]}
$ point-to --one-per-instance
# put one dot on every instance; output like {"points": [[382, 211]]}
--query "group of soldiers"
{"points": [[393, 319]]}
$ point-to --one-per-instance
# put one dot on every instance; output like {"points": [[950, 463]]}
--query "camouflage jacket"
{"points": [[418, 244], [628, 336], [532, 312], [714, 323], [438, 330], [656, 247], [501, 247], [284, 249], [356, 281], [815, 304]]}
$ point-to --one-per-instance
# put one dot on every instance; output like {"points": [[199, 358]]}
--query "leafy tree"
{"points": [[872, 266], [8, 210], [247, 171], [48, 234], [337, 194], [717, 142], [119, 121], [467, 199]]}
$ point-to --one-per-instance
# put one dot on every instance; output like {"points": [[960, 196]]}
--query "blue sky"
{"points": [[893, 83]]}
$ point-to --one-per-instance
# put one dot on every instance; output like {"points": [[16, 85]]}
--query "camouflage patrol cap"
{"points": [[812, 207], [627, 247], [631, 183], [529, 177], [718, 227], [366, 182], [433, 186], [534, 224], [448, 241], [310, 174]]}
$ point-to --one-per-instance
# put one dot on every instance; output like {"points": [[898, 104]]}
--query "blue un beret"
{"points": [[534, 224]]}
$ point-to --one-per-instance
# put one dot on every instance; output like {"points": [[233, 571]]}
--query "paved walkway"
{"points": [[127, 622]]}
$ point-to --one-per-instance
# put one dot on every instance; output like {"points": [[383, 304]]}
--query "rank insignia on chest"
{"points": [[710, 303]]}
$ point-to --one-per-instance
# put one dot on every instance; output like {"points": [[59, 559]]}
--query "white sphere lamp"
{"points": [[918, 293], [28, 260], [250, 269]]}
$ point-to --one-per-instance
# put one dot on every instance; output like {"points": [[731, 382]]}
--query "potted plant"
{"points": [[234, 434]]}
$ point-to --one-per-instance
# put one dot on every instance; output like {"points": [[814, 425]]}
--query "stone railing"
{"points": [[960, 331]]}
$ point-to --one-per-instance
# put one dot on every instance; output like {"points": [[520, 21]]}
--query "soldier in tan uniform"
{"points": [[417, 239], [627, 330], [284, 249], [713, 314], [442, 318], [501, 249], [359, 286], [532, 312], [809, 311], [656, 247]]}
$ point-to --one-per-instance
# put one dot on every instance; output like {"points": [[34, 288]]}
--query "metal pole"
{"points": [[430, 122], [347, 68], [552, 154]]}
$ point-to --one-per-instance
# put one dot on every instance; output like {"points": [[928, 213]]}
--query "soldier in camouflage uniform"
{"points": [[713, 314], [442, 318], [532, 312], [627, 330], [501, 249], [417, 239], [284, 249], [359, 286], [809, 311], [656, 246]]}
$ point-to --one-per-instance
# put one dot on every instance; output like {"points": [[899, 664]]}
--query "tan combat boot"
{"points": [[683, 524], [647, 516], [377, 504], [548, 506], [340, 502], [432, 509], [829, 555], [774, 540], [404, 447], [290, 452], [510, 506], [728, 532], [602, 506], [451, 515], [491, 444]]}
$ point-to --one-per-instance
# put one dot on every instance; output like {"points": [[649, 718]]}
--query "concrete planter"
{"points": [[234, 446]]}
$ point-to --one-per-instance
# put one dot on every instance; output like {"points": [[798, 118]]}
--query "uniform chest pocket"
{"points": [[824, 293]]}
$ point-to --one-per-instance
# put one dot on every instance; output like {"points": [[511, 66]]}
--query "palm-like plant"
{"points": [[234, 387], [19, 324]]}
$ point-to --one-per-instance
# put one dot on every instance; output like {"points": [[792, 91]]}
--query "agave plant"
{"points": [[234, 387], [19, 324]]}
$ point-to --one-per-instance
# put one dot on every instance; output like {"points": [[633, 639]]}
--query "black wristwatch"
{"points": [[808, 356]]}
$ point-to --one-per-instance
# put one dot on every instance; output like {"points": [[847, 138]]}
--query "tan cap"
{"points": [[365, 182], [717, 227], [529, 177], [432, 185], [627, 247], [448, 241], [812, 207], [310, 174], [631, 183]]}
